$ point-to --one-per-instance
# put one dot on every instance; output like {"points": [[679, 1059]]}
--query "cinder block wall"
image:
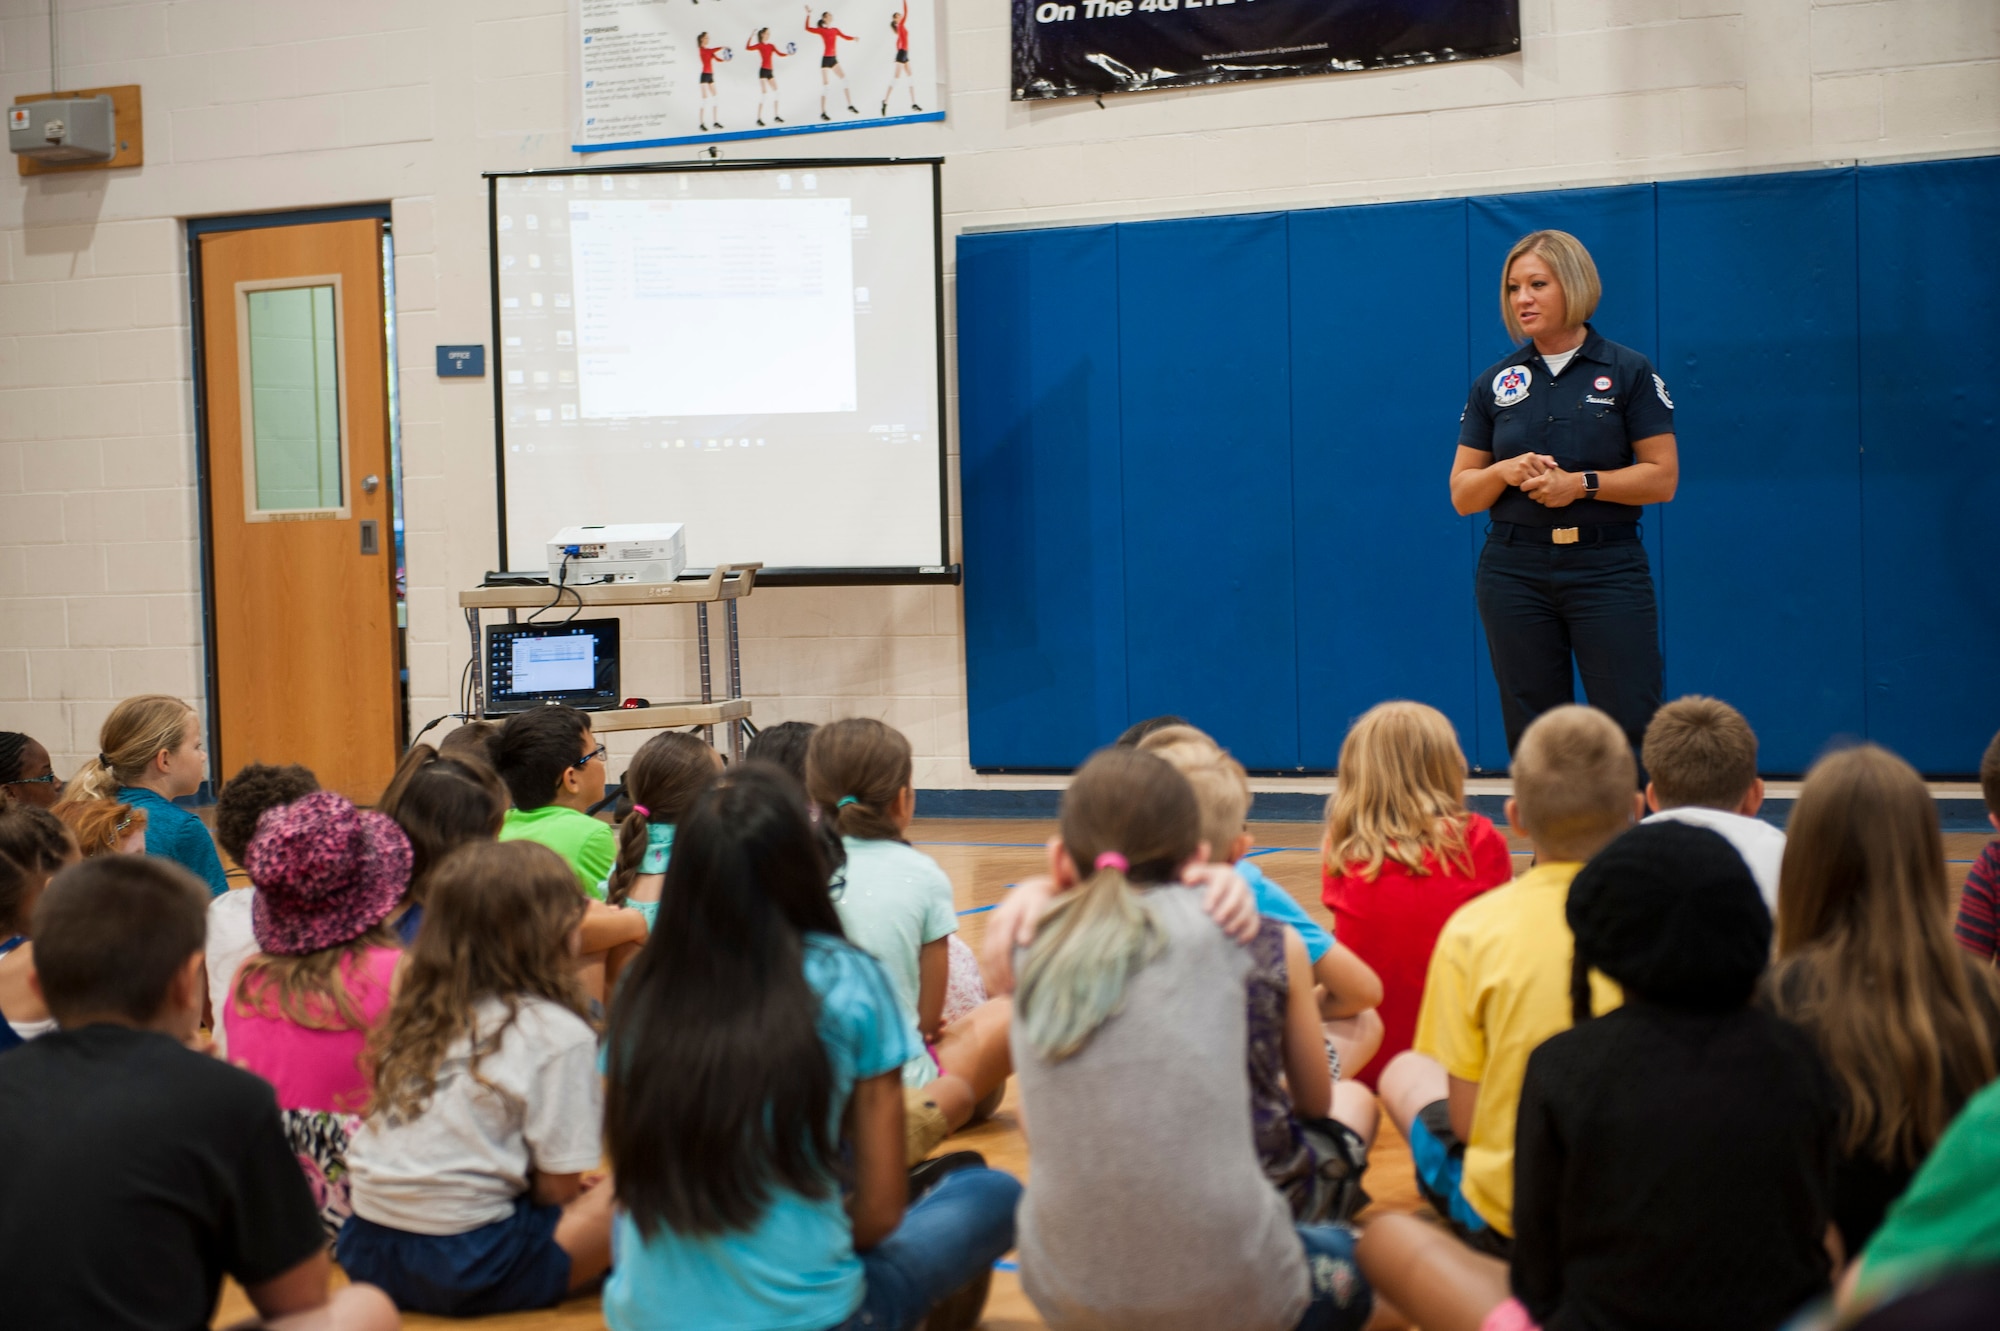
{"points": [[258, 105]]}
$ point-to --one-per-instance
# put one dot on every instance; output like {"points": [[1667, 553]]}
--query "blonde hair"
{"points": [[1574, 271], [1866, 961], [1574, 777], [1401, 794], [1221, 786], [99, 824], [1700, 751], [137, 731], [1098, 935]]}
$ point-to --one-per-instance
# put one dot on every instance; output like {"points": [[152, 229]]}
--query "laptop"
{"points": [[572, 664]]}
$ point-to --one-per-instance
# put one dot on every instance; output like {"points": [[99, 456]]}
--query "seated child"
{"points": [[1978, 927], [1402, 853], [755, 1067], [1148, 1207], [1499, 979], [784, 744], [300, 1011], [441, 803], [896, 904], [1674, 1159], [34, 846], [232, 938], [25, 772], [473, 740], [103, 827], [667, 774], [149, 755], [468, 1174], [139, 1172], [554, 768], [1701, 768], [1313, 1131]]}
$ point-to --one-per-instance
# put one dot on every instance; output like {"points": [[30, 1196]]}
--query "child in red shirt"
{"points": [[1402, 853]]}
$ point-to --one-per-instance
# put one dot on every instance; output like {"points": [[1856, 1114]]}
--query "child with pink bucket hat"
{"points": [[328, 876]]}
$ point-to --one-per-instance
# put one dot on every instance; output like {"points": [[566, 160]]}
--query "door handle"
{"points": [[370, 483], [371, 538]]}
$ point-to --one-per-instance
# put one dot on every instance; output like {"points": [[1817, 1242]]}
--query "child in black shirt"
{"points": [[1674, 1159], [140, 1172]]}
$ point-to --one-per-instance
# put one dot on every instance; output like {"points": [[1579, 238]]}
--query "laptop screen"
{"points": [[531, 665]]}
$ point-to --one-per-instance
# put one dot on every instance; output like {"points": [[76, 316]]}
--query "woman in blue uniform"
{"points": [[1563, 442]]}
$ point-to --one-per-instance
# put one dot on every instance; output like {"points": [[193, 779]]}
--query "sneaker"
{"points": [[915, 107], [775, 116], [885, 108], [927, 1174], [853, 110], [824, 116], [960, 1310], [760, 122]]}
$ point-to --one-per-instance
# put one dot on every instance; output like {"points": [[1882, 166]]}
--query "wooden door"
{"points": [[301, 542]]}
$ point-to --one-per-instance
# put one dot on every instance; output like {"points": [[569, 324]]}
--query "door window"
{"points": [[290, 369]]}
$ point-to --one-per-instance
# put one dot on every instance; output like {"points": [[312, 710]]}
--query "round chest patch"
{"points": [[1511, 385], [1602, 383]]}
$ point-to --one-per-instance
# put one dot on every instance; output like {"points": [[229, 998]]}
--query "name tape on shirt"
{"points": [[1511, 385], [1660, 387]]}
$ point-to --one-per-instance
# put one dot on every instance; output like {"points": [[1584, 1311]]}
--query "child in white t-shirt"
{"points": [[468, 1176]]}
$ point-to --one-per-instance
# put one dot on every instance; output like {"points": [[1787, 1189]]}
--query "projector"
{"points": [[622, 552]]}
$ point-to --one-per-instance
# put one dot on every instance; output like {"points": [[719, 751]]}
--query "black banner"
{"points": [[1080, 48]]}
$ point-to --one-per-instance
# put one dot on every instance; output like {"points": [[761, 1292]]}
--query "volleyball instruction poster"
{"points": [[1083, 48], [655, 73]]}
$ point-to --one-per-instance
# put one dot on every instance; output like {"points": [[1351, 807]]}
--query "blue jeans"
{"points": [[1543, 604], [1341, 1299], [949, 1237]]}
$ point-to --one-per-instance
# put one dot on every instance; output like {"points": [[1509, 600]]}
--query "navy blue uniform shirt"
{"points": [[1585, 418]]}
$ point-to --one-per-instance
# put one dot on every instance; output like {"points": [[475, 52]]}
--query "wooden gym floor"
{"points": [[984, 858]]}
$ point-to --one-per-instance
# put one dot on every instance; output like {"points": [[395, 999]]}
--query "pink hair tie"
{"points": [[1111, 859], [642, 811]]}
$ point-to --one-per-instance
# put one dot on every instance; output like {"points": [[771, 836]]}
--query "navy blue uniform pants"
{"points": [[1544, 604]]}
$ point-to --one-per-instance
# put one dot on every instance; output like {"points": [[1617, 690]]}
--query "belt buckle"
{"points": [[1564, 535]]}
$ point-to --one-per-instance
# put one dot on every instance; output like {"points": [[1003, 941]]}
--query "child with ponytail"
{"points": [[1149, 1207], [896, 904], [667, 775], [149, 755], [441, 802]]}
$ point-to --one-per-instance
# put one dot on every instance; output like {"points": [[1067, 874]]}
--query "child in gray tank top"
{"points": [[1151, 1210]]}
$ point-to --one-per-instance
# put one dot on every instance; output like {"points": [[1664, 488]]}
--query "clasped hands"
{"points": [[1539, 478]]}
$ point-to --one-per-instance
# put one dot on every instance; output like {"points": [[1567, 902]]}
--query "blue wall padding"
{"points": [[1930, 462], [1757, 318], [1039, 446], [1370, 359], [1204, 462], [1203, 340]]}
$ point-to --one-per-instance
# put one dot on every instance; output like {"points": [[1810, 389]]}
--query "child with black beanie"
{"points": [[1674, 1158]]}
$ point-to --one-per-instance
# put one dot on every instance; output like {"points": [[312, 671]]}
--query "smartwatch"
{"points": [[1590, 485]]}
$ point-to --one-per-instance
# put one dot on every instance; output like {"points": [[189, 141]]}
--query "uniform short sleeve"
{"points": [[1649, 408], [1448, 1029], [861, 1013], [1275, 903], [564, 1125], [272, 1223], [596, 858], [1475, 423], [940, 914]]}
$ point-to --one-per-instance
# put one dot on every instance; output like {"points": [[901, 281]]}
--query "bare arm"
{"points": [[1462, 1101], [881, 1183], [933, 975], [298, 1290], [555, 1189], [1477, 480], [1652, 478], [1306, 1074], [1351, 984], [605, 927]]}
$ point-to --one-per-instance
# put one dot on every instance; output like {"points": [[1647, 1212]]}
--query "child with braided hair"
{"points": [[25, 773], [667, 775]]}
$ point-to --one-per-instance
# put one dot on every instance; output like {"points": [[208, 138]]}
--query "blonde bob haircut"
{"points": [[1575, 273]]}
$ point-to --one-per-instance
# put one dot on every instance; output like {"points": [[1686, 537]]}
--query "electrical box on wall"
{"points": [[64, 129]]}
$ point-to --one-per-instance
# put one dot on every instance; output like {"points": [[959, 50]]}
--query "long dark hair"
{"points": [[720, 1092], [442, 803], [667, 774]]}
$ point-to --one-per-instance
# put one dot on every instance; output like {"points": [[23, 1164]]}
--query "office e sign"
{"points": [[461, 362]]}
